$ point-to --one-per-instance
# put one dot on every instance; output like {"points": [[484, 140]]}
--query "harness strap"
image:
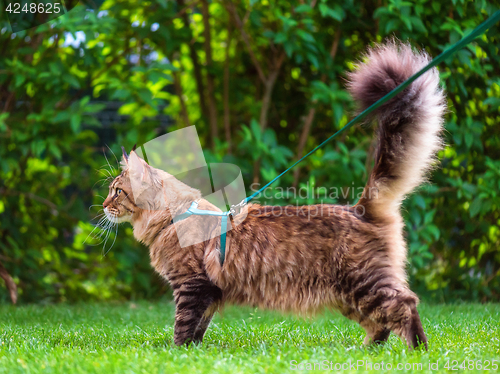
{"points": [[223, 231], [193, 210]]}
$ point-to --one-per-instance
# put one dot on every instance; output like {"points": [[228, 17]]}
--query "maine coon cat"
{"points": [[352, 259]]}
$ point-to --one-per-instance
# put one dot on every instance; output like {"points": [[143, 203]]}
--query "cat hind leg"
{"points": [[396, 309]]}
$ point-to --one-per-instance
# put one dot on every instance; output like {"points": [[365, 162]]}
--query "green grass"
{"points": [[137, 338]]}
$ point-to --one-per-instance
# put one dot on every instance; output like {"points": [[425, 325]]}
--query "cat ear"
{"points": [[125, 157], [124, 154], [139, 168], [144, 153]]}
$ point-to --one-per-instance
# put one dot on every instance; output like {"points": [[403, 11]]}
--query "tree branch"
{"points": [[227, 113], [232, 10], [50, 204], [212, 107], [6, 107], [268, 89], [184, 10], [178, 92], [266, 103], [9, 283], [200, 87], [312, 113], [269, 81]]}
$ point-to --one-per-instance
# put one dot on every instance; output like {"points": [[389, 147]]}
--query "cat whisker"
{"points": [[103, 180], [104, 232], [111, 168], [90, 234], [113, 153], [107, 167], [101, 171], [114, 240], [106, 239], [99, 217]]}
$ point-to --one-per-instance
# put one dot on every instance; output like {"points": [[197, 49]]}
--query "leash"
{"points": [[193, 209]]}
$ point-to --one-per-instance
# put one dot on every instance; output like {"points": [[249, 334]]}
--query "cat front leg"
{"points": [[195, 301], [205, 322]]}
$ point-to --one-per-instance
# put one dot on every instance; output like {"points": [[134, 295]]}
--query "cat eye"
{"points": [[118, 192]]}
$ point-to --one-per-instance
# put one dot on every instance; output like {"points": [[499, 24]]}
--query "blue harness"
{"points": [[193, 210]]}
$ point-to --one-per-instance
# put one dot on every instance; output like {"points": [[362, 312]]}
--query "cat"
{"points": [[348, 258]]}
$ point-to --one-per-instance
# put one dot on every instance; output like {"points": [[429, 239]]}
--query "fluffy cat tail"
{"points": [[409, 125]]}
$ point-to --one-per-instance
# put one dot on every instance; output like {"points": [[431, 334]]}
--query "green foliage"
{"points": [[138, 338], [274, 66]]}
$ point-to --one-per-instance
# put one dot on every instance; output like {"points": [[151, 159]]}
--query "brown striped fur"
{"points": [[306, 258]]}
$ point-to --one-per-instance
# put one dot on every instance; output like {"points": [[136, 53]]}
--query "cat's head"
{"points": [[142, 188]]}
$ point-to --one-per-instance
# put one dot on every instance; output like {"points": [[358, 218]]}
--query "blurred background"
{"points": [[263, 82]]}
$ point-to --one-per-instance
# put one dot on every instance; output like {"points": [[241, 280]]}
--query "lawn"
{"points": [[137, 338]]}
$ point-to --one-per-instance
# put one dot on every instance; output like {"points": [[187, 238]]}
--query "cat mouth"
{"points": [[114, 217]]}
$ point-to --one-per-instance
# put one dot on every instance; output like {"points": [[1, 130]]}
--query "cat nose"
{"points": [[105, 203]]}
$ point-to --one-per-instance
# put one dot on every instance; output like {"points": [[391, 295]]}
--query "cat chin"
{"points": [[115, 219]]}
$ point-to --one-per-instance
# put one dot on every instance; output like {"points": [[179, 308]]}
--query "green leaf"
{"points": [[433, 229], [19, 80], [140, 69], [469, 139], [493, 101], [419, 200], [419, 25], [336, 13], [37, 147], [55, 151], [289, 48], [304, 8], [146, 96], [313, 59], [469, 188], [121, 94], [268, 34], [280, 37], [62, 116], [392, 25], [73, 82], [407, 22], [429, 216], [84, 101], [255, 127], [305, 36], [94, 108], [75, 122], [91, 121], [475, 207]]}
